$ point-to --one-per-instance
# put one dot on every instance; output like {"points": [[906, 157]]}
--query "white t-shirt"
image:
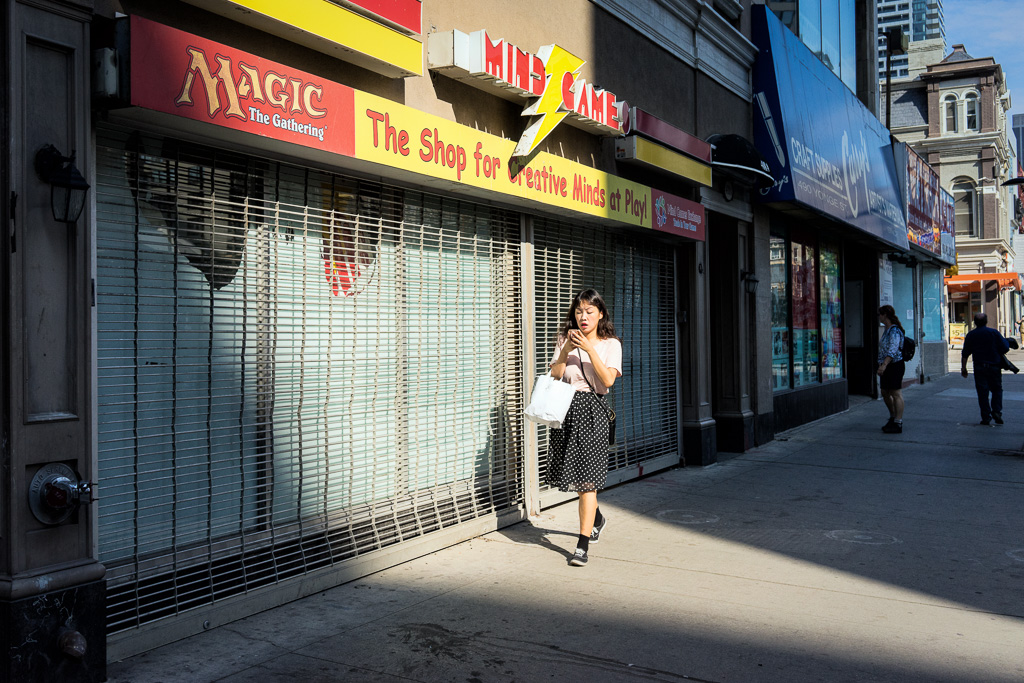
{"points": [[610, 352]]}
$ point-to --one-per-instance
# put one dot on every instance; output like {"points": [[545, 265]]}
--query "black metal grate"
{"points": [[636, 277]]}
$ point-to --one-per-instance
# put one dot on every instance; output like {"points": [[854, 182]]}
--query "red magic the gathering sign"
{"points": [[185, 75]]}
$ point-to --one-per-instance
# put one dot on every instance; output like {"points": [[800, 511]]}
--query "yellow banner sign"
{"points": [[398, 136]]}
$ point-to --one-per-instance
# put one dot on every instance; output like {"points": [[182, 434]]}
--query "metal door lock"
{"points": [[56, 492]]}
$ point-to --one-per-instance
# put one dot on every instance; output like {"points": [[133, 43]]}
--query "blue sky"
{"points": [[991, 28]]}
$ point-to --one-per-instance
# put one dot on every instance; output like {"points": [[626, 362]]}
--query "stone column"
{"points": [[699, 439], [728, 242], [761, 331]]}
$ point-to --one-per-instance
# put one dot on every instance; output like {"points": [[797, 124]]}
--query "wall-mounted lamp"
{"points": [[749, 281], [68, 188]]}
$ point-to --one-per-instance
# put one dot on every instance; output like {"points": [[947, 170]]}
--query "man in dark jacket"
{"points": [[988, 348]]}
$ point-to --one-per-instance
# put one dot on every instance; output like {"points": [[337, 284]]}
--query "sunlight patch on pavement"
{"points": [[971, 394]]}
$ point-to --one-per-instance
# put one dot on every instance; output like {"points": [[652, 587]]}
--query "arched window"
{"points": [[964, 203], [971, 102], [949, 113]]}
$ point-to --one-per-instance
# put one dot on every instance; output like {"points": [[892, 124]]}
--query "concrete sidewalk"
{"points": [[835, 553]]}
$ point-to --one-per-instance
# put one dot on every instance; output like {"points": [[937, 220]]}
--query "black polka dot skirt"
{"points": [[578, 452]]}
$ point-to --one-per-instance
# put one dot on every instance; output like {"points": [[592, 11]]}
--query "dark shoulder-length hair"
{"points": [[890, 313], [605, 327]]}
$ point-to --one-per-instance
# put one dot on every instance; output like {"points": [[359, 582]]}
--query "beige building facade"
{"points": [[325, 251]]}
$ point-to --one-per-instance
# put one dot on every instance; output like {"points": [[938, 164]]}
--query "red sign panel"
{"points": [[653, 127], [403, 13], [182, 74], [677, 215]]}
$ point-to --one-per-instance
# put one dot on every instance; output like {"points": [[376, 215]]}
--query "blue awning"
{"points": [[826, 150]]}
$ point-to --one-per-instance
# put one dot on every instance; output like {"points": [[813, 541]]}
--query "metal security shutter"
{"points": [[636, 277], [295, 368]]}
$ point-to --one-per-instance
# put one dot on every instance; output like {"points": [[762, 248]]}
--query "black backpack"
{"points": [[909, 347]]}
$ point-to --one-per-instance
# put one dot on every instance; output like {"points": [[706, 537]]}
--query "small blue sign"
{"points": [[826, 150]]}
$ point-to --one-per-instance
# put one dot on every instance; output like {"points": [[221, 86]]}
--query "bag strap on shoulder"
{"points": [[607, 408]]}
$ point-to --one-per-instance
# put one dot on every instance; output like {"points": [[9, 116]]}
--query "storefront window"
{"points": [[848, 44], [831, 315], [963, 216], [810, 25], [805, 314], [971, 101], [780, 314], [931, 318], [949, 103], [828, 28], [807, 311], [830, 34]]}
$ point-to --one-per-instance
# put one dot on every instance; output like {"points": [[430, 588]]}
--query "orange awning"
{"points": [[975, 282]]}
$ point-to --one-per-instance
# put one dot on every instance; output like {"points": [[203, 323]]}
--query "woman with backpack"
{"points": [[891, 367]]}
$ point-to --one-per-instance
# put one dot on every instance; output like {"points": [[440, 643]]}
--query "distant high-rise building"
{"points": [[919, 19], [1018, 136]]}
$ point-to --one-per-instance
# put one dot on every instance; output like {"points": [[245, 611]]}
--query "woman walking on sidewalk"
{"points": [[589, 356], [891, 368]]}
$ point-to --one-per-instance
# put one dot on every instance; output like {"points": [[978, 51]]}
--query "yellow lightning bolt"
{"points": [[548, 110]]}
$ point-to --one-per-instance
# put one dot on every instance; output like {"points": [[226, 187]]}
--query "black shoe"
{"points": [[998, 417], [985, 422], [893, 428], [887, 424], [595, 535], [579, 558]]}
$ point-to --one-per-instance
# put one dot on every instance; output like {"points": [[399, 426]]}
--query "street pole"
{"points": [[895, 44], [888, 83]]}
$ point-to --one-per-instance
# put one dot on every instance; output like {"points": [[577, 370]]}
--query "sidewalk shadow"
{"points": [[527, 533]]}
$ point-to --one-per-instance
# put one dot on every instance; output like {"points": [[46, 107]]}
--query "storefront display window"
{"points": [[805, 314], [931, 318], [903, 300], [831, 315], [780, 314]]}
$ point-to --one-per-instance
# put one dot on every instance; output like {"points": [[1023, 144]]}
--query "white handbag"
{"points": [[549, 401]]}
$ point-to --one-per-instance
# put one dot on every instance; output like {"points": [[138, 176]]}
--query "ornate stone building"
{"points": [[954, 112]]}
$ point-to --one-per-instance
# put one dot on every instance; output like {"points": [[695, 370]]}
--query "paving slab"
{"points": [[670, 621], [293, 667]]}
